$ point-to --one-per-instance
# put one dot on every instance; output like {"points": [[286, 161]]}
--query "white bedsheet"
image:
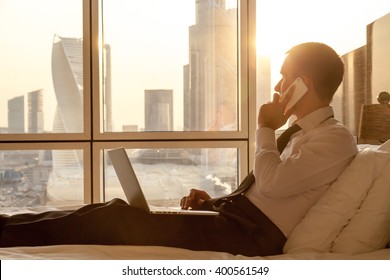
{"points": [[103, 252]]}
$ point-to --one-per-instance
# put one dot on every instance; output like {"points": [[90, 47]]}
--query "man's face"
{"points": [[289, 74]]}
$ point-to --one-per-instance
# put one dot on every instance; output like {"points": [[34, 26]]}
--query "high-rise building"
{"points": [[159, 110], [67, 75], [352, 93], [130, 128], [378, 57], [16, 115], [35, 111], [210, 78], [366, 75]]}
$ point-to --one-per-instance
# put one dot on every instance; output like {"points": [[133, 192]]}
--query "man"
{"points": [[271, 201]]}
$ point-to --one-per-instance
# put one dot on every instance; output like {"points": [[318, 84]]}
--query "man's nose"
{"points": [[277, 87]]}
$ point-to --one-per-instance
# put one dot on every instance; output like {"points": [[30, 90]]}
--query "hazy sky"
{"points": [[338, 23], [27, 29], [142, 61]]}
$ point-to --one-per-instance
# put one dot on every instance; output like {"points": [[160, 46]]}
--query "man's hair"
{"points": [[321, 64]]}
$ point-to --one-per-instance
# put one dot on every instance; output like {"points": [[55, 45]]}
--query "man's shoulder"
{"points": [[331, 126], [335, 133]]}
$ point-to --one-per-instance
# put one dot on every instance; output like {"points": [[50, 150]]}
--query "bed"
{"points": [[350, 222], [103, 252]]}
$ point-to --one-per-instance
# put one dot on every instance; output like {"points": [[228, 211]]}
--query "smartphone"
{"points": [[299, 92]]}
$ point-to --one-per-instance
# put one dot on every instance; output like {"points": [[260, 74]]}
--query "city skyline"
{"points": [[11, 89]]}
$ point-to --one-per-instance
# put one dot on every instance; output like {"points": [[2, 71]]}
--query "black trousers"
{"points": [[117, 223]]}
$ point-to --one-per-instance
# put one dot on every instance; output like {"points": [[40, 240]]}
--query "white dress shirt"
{"points": [[288, 184]]}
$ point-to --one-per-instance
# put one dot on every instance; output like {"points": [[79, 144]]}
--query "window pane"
{"points": [[359, 33], [166, 175], [170, 65], [41, 177], [41, 66]]}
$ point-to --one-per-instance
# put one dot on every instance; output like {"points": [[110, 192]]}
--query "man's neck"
{"points": [[306, 110]]}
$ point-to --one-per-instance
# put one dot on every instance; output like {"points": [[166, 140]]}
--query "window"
{"points": [[42, 67], [44, 109], [168, 173], [170, 65], [172, 81], [175, 80], [48, 174], [167, 80]]}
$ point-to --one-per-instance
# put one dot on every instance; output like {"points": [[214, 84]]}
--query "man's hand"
{"points": [[194, 200], [272, 114]]}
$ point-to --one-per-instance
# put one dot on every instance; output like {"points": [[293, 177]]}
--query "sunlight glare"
{"points": [[282, 24]]}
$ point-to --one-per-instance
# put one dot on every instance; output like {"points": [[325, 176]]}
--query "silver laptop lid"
{"points": [[127, 178]]}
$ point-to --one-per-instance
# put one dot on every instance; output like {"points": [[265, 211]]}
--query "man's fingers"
{"points": [[275, 98], [288, 113], [194, 199], [183, 202], [186, 202], [200, 202]]}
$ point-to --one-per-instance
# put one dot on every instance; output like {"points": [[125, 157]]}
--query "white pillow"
{"points": [[385, 146], [369, 229], [338, 205]]}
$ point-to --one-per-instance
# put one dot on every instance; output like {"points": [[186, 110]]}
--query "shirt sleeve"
{"points": [[266, 140]]}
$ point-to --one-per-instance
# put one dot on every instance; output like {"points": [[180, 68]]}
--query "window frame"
{"points": [[246, 64], [84, 146], [92, 141], [99, 147], [82, 136]]}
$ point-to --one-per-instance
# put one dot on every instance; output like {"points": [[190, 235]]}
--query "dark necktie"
{"points": [[281, 143], [283, 139]]}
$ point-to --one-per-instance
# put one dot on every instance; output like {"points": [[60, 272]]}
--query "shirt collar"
{"points": [[315, 118]]}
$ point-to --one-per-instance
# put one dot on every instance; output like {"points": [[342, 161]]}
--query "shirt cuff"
{"points": [[265, 139]]}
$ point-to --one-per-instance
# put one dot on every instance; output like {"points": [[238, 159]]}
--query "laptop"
{"points": [[133, 191]]}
